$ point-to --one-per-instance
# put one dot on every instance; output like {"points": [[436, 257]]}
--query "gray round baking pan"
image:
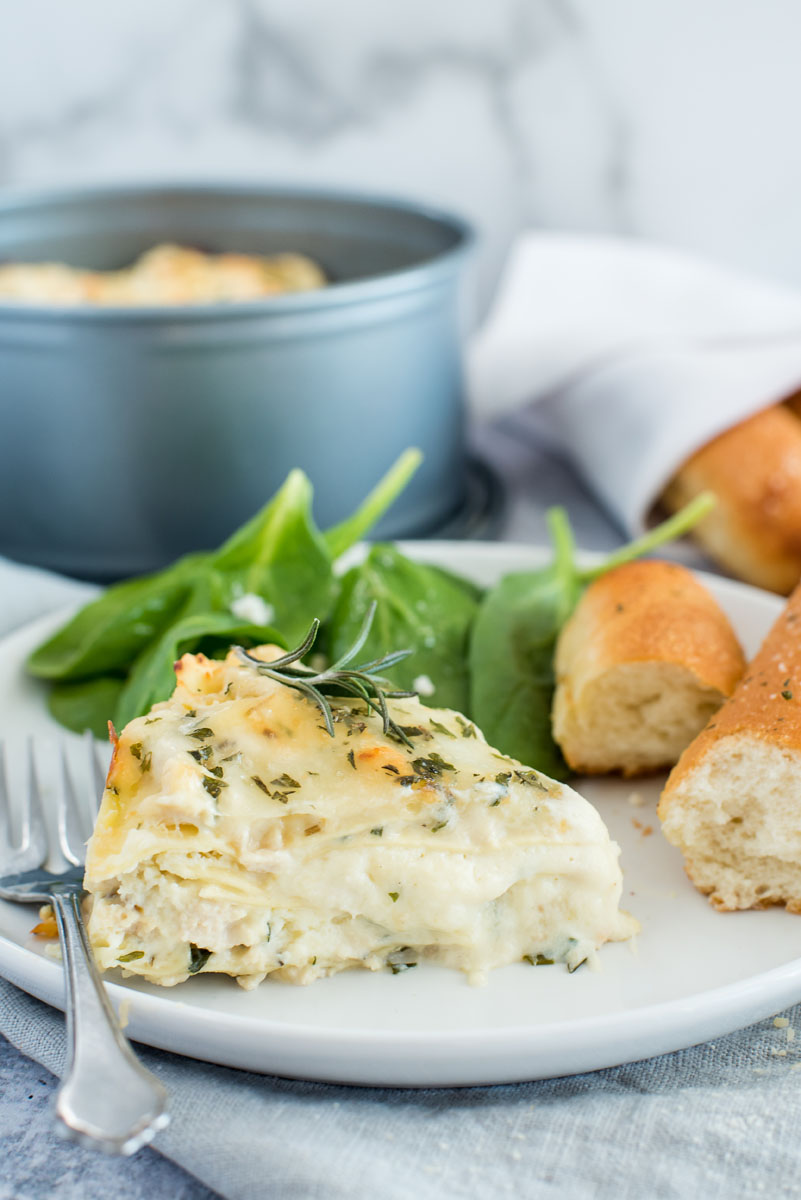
{"points": [[131, 435], [482, 513]]}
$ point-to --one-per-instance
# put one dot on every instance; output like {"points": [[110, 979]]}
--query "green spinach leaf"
{"points": [[86, 703], [514, 637], [419, 607], [281, 556], [341, 537], [511, 655], [110, 631], [135, 627], [153, 675]]}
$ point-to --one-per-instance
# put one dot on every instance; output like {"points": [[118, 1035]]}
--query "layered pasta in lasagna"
{"points": [[236, 835]]}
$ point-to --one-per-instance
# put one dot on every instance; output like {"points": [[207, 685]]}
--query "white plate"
{"points": [[693, 975]]}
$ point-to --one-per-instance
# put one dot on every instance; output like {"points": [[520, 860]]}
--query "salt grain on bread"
{"points": [[754, 470], [732, 804], [645, 660]]}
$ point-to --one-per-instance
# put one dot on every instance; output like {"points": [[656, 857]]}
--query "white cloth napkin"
{"points": [[634, 356]]}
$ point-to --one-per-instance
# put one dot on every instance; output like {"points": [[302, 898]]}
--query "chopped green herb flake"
{"points": [[197, 958], [432, 766], [260, 784], [313, 961], [351, 759], [531, 779], [191, 712], [378, 831], [439, 825], [349, 718], [503, 778], [285, 782], [467, 727], [115, 791], [397, 967], [389, 767], [538, 960], [136, 750], [132, 956], [443, 729], [151, 720], [146, 762], [393, 896], [213, 786], [201, 734], [787, 694]]}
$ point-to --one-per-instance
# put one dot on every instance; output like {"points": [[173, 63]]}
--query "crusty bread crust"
{"points": [[732, 803], [754, 469], [765, 705], [651, 611], [793, 404], [645, 628]]}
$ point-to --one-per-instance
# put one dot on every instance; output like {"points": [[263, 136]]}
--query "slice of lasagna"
{"points": [[236, 835]]}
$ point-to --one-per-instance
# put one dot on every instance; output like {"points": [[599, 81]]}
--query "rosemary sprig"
{"points": [[363, 681]]}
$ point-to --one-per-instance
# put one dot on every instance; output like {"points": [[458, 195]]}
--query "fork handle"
{"points": [[107, 1099]]}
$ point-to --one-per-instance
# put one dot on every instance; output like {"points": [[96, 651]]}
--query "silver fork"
{"points": [[107, 1099]]}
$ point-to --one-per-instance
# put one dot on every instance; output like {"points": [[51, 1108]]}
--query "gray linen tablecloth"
{"points": [[719, 1120]]}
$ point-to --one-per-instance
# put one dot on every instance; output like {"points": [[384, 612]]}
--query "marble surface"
{"points": [[669, 120]]}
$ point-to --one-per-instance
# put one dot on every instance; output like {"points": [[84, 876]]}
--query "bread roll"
{"points": [[754, 470], [732, 804], [642, 664], [793, 404]]}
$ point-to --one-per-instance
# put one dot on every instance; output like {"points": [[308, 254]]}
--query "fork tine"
{"points": [[71, 832], [6, 848], [33, 843]]}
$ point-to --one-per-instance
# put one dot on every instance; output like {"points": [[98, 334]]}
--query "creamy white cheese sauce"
{"points": [[254, 843]]}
